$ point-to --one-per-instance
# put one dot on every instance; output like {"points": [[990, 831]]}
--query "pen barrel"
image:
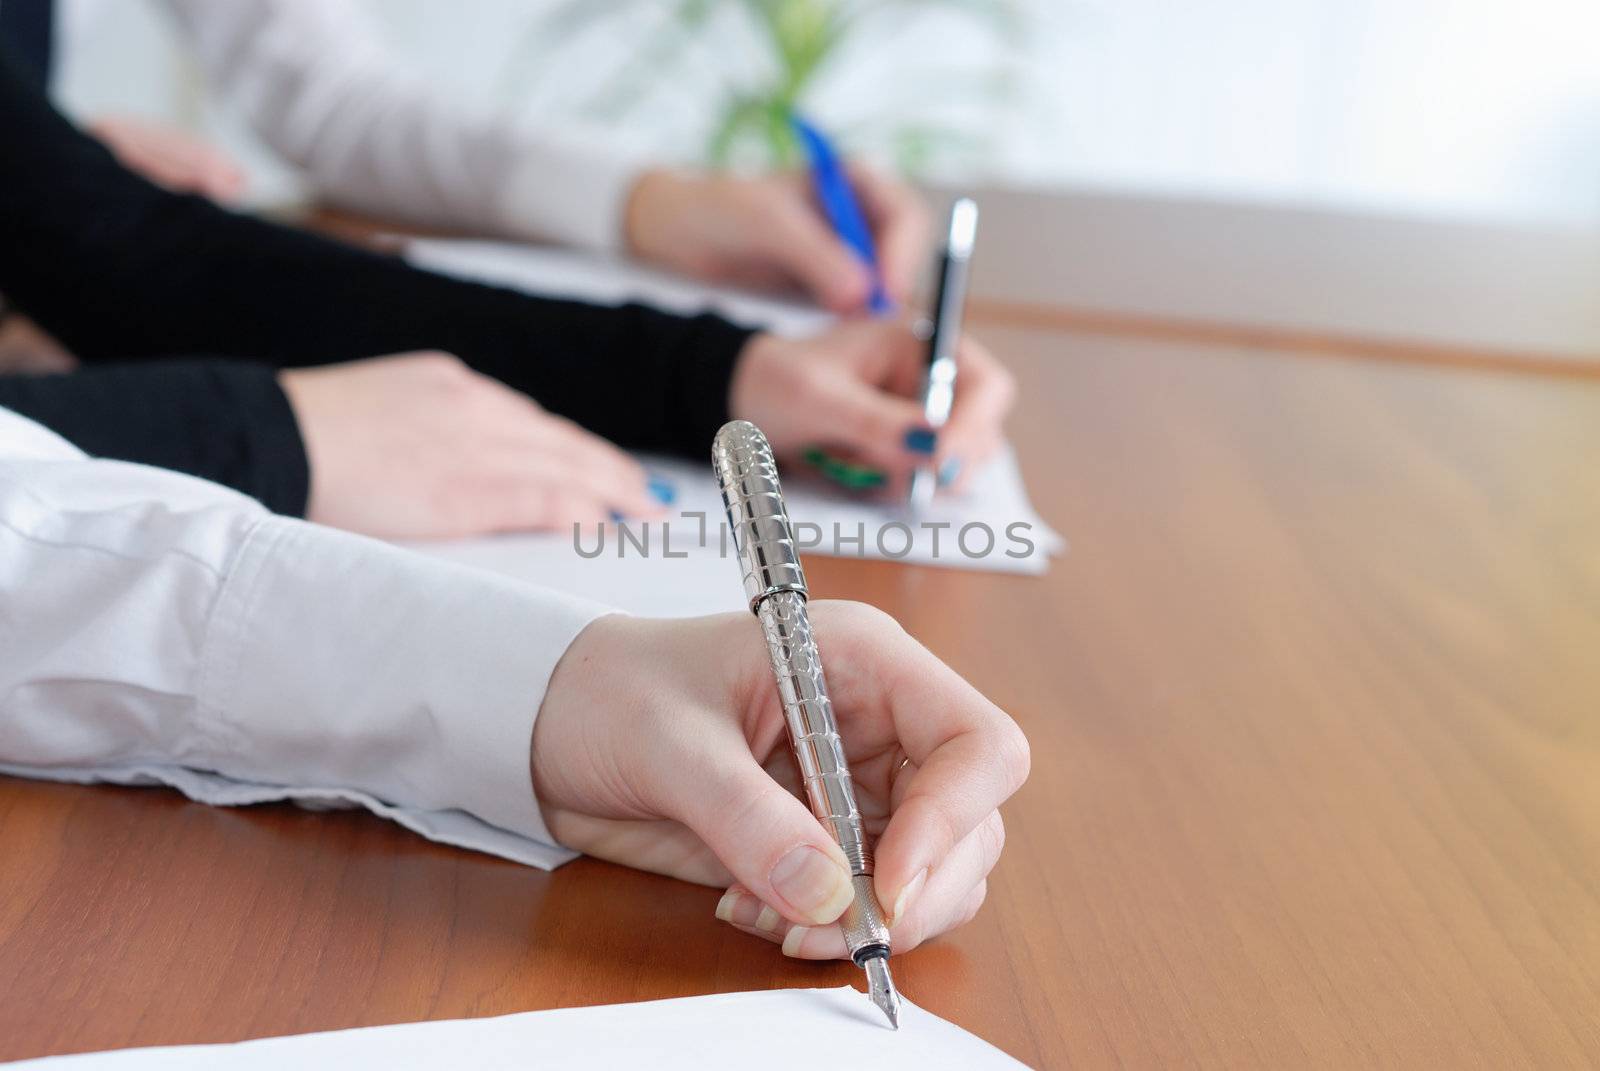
{"points": [[814, 737], [813, 732], [776, 588]]}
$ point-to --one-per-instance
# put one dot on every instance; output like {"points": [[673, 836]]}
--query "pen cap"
{"points": [[757, 518]]}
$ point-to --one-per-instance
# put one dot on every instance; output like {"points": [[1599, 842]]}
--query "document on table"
{"points": [[683, 564], [570, 274], [776, 1030], [991, 526]]}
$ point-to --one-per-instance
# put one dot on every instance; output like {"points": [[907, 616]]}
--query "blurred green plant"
{"points": [[798, 44]]}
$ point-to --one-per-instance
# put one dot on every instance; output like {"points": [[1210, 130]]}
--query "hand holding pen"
{"points": [[854, 390], [769, 233], [839, 200], [661, 745]]}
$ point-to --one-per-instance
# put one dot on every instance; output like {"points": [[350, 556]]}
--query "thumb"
{"points": [[806, 248], [769, 841]]}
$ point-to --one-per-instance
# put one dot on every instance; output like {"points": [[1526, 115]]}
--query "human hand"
{"points": [[170, 157], [661, 745], [769, 232], [419, 446], [850, 390], [26, 348]]}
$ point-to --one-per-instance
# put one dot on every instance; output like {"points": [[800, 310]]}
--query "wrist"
{"points": [[326, 500], [648, 200], [764, 356], [575, 700], [597, 747]]}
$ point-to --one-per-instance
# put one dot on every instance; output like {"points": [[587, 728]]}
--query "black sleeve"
{"points": [[223, 420], [118, 269]]}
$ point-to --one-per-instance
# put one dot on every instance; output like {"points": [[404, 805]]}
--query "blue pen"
{"points": [[843, 210]]}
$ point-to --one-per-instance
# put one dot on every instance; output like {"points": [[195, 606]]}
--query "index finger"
{"points": [[900, 223], [985, 393], [970, 756], [610, 472], [605, 471]]}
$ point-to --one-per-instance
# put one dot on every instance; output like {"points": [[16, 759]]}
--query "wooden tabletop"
{"points": [[1315, 710]]}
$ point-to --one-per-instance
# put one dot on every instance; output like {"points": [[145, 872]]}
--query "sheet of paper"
{"points": [[683, 565], [992, 526], [777, 1030], [567, 273]]}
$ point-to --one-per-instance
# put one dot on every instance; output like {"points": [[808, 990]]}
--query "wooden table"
{"points": [[1315, 711]]}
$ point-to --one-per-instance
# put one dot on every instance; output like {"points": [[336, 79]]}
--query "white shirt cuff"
{"points": [[575, 195], [412, 692]]}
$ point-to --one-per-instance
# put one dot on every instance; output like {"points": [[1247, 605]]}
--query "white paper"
{"points": [[661, 568], [991, 526], [776, 1030], [570, 274]]}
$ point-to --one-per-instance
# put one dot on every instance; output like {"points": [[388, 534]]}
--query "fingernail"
{"points": [[775, 936], [663, 490], [616, 517], [815, 886], [738, 908], [921, 440], [949, 471], [847, 475], [852, 477], [794, 939], [907, 895]]}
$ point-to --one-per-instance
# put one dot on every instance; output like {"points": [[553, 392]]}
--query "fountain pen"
{"points": [[776, 589]]}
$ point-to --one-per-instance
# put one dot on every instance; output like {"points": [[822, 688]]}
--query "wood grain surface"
{"points": [[1315, 710]]}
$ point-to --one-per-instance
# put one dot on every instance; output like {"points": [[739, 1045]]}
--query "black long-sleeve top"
{"points": [[129, 277]]}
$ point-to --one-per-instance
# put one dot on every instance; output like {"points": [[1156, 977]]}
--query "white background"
{"points": [[1484, 109]]}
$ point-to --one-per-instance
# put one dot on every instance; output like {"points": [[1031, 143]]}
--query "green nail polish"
{"points": [[847, 475], [853, 477]]}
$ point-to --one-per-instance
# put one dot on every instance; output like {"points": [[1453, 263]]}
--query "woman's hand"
{"points": [[768, 232], [661, 745], [419, 446], [170, 157], [854, 390]]}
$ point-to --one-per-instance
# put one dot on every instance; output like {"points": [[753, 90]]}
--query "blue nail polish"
{"points": [[662, 489], [921, 440], [949, 471], [616, 517]]}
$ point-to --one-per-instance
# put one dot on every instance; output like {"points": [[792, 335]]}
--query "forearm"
{"points": [[224, 421], [157, 626], [315, 82], [119, 269]]}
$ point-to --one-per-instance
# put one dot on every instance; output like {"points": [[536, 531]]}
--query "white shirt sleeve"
{"points": [[314, 81], [155, 628]]}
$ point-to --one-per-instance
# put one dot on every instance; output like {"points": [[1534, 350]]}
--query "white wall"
{"points": [[1476, 108], [1486, 108]]}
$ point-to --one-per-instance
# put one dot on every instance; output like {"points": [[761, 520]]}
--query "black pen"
{"points": [[939, 382]]}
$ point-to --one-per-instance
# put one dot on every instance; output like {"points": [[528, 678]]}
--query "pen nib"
{"points": [[880, 987]]}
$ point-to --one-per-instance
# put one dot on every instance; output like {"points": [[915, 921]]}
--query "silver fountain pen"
{"points": [[776, 588]]}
